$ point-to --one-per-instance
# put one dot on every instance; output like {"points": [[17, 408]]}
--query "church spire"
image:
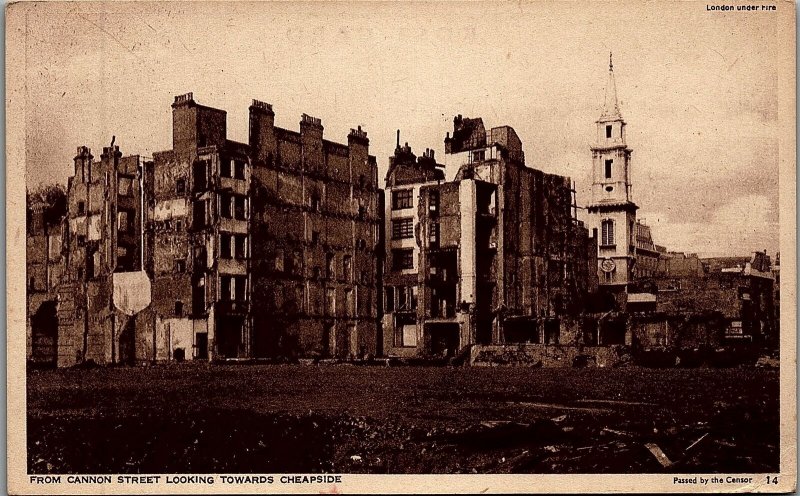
{"points": [[611, 105]]}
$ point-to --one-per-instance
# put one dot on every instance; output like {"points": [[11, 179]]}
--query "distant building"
{"points": [[734, 296], [647, 254], [481, 249], [45, 264]]}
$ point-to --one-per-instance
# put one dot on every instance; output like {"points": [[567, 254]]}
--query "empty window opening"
{"points": [[238, 169], [239, 207], [330, 268], [609, 163], [225, 245], [225, 168], [608, 131], [403, 259], [240, 247]]}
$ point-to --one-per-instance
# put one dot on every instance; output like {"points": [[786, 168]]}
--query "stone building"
{"points": [[728, 300], [44, 268], [214, 249], [103, 290], [263, 248], [481, 249], [612, 212], [316, 231]]}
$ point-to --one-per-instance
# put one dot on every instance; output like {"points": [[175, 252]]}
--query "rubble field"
{"points": [[201, 418]]}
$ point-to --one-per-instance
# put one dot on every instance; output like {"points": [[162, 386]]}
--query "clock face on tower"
{"points": [[608, 265]]}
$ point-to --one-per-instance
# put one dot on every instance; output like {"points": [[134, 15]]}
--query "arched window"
{"points": [[608, 232]]}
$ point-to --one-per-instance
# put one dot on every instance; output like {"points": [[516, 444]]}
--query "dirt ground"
{"points": [[201, 418]]}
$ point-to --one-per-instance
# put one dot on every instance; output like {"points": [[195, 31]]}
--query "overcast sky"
{"points": [[697, 89]]}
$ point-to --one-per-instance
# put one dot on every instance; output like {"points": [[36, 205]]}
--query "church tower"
{"points": [[612, 213]]}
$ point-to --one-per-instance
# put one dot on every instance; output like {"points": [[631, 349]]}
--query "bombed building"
{"points": [[268, 247], [214, 249], [104, 290], [480, 249]]}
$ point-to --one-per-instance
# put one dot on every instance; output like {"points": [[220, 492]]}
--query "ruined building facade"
{"points": [[103, 290], [481, 249], [217, 249]]}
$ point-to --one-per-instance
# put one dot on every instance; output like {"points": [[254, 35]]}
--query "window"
{"points": [[405, 330], [225, 167], [180, 186], [179, 308], [349, 303], [240, 286], [239, 207], [238, 169], [199, 175], [225, 245], [240, 246], [608, 232], [122, 221], [81, 240], [330, 301], [226, 288], [401, 199], [479, 155], [330, 268], [402, 228], [389, 305], [225, 201], [199, 214], [365, 277], [433, 201], [402, 298], [314, 203], [125, 186], [81, 208], [433, 235], [279, 260], [315, 237], [180, 265], [32, 285], [179, 225], [346, 267], [608, 131], [609, 162], [403, 259]]}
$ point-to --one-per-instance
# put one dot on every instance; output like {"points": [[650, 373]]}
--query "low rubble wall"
{"points": [[549, 355]]}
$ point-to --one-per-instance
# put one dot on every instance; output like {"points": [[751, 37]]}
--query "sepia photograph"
{"points": [[335, 246]]}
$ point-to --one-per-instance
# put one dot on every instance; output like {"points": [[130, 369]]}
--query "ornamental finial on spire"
{"points": [[610, 62]]}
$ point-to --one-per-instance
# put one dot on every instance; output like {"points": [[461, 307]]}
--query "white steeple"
{"points": [[611, 104]]}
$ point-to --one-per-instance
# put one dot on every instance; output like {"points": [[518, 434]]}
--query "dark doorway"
{"points": [[552, 331], [444, 338], [202, 345], [127, 341], [229, 335], [44, 335]]}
